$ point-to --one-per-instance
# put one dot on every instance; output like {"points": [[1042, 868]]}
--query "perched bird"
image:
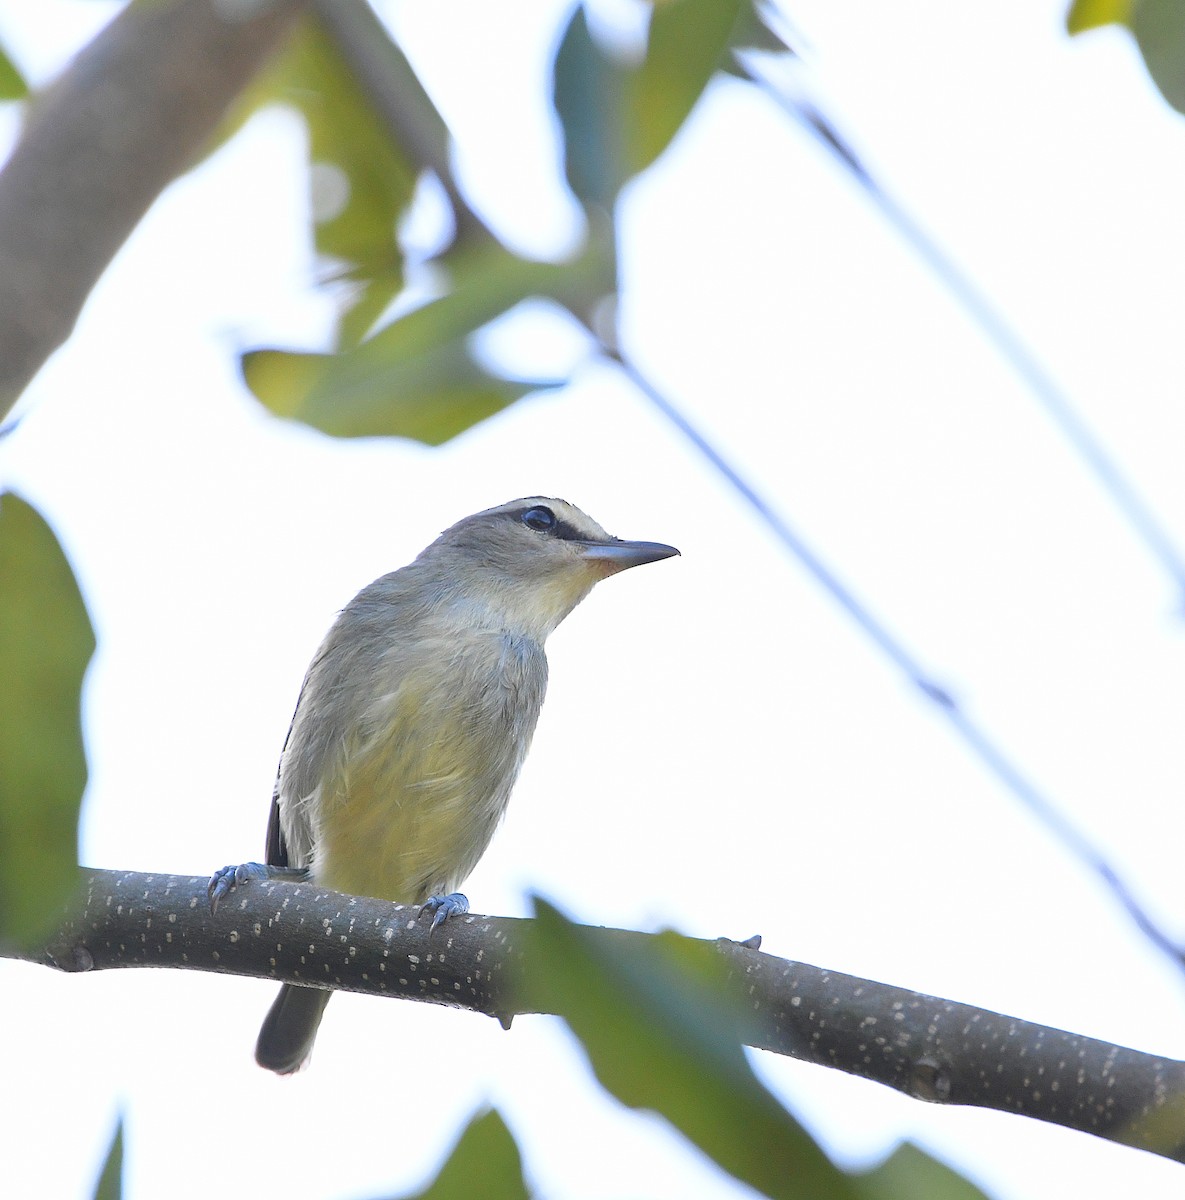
{"points": [[415, 717]]}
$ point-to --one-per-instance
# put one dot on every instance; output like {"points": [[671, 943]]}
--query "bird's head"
{"points": [[533, 560]]}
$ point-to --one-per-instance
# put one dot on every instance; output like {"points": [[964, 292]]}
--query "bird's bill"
{"points": [[617, 556]]}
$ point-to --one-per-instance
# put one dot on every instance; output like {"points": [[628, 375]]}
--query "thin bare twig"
{"points": [[995, 326], [989, 753]]}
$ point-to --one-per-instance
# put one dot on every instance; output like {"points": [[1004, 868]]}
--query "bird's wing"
{"points": [[276, 854], [277, 851]]}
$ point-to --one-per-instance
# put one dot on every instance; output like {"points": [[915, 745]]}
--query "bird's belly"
{"points": [[420, 787], [405, 831], [400, 847]]}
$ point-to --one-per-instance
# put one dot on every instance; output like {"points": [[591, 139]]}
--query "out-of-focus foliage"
{"points": [[431, 396], [689, 40], [360, 181], [660, 1035], [12, 83], [418, 372], [46, 642], [415, 377], [911, 1174], [617, 116], [587, 91], [486, 1152], [1090, 14], [662, 1031], [1159, 29], [110, 1181]]}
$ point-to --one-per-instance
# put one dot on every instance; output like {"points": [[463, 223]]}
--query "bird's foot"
{"points": [[225, 880], [442, 907]]}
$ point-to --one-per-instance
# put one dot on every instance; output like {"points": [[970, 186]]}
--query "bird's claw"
{"points": [[226, 879], [454, 904]]}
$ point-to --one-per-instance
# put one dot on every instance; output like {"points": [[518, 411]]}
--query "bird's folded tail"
{"points": [[290, 1028]]}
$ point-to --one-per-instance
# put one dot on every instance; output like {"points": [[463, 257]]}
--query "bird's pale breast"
{"points": [[411, 799]]}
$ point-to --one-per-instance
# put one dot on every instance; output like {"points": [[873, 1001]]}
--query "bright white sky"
{"points": [[763, 769]]}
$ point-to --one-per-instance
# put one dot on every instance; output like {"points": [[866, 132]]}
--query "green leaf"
{"points": [[482, 284], [1159, 26], [753, 30], [588, 90], [909, 1173], [485, 282], [12, 82], [361, 180], [415, 378], [617, 118], [486, 1151], [429, 397], [110, 1183], [1090, 14], [688, 40], [362, 183], [367, 306], [661, 1032], [1159, 30], [46, 642]]}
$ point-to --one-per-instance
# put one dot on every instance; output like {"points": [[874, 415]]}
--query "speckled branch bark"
{"points": [[930, 1048], [950, 1053], [129, 115]]}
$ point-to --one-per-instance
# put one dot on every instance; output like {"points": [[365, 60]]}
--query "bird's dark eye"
{"points": [[541, 519]]}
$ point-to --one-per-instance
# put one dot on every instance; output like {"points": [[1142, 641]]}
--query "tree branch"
{"points": [[132, 112], [929, 1048]]}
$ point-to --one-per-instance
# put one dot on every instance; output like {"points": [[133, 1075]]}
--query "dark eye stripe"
{"points": [[568, 533], [535, 518]]}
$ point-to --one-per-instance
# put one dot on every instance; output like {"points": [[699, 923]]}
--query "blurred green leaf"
{"points": [[110, 1183], [1159, 26], [367, 304], [481, 285], [753, 31], [589, 93], [653, 1017], [46, 642], [688, 40], [486, 1152], [1159, 30], [618, 118], [1090, 14], [361, 182], [416, 378], [486, 281], [12, 83], [909, 1173], [373, 130], [430, 396]]}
